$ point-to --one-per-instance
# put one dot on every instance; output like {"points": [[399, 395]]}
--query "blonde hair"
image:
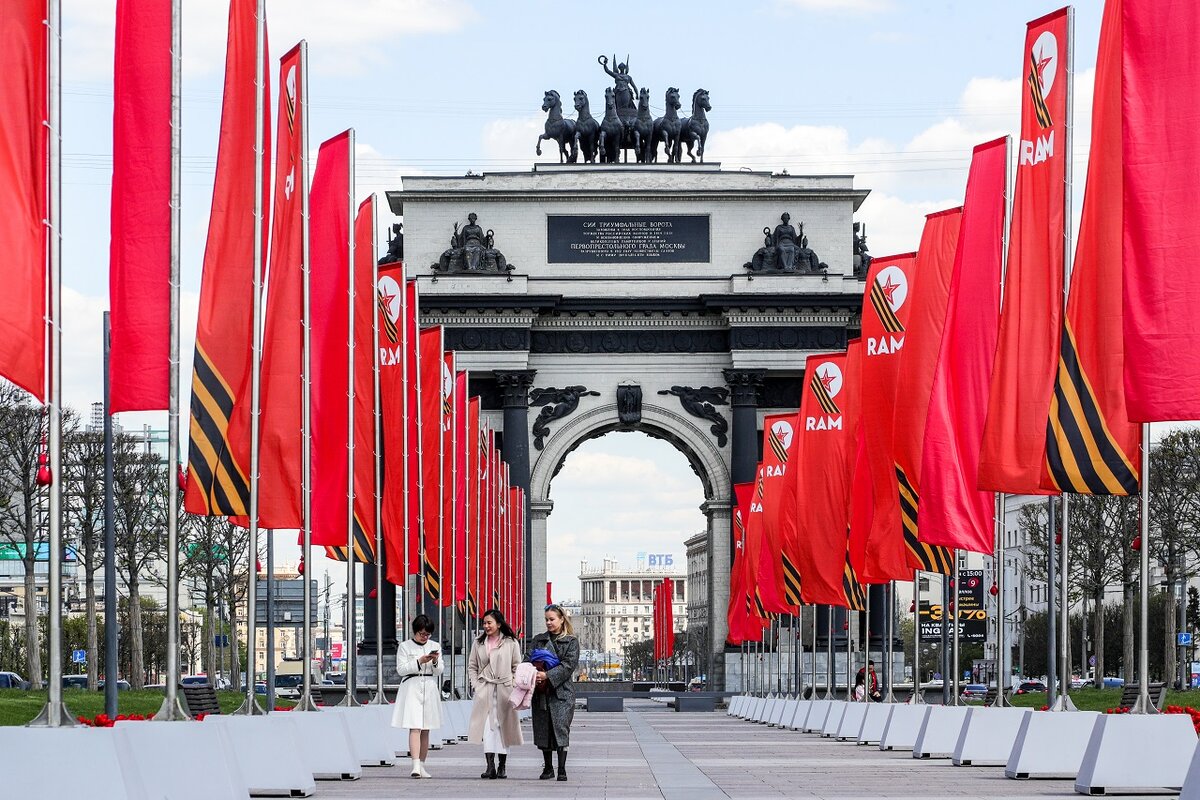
{"points": [[566, 618]]}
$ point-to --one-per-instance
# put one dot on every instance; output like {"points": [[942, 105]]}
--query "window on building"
{"points": [[612, 591]]}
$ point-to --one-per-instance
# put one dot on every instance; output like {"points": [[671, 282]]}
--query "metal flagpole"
{"points": [[454, 467], [849, 656], [812, 662], [1144, 704], [1051, 616], [952, 618], [351, 637], [377, 434], [270, 621], [829, 671], [1064, 702], [405, 344], [111, 640], [866, 656], [55, 714], [170, 708], [305, 702], [250, 706], [917, 696], [889, 635], [1002, 670]]}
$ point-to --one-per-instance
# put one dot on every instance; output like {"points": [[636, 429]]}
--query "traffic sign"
{"points": [[221, 640], [79, 656], [1185, 639], [1091, 661]]}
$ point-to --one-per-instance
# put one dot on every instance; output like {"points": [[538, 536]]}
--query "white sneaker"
{"points": [[416, 768], [424, 774]]}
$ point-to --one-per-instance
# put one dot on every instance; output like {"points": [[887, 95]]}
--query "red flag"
{"points": [[780, 441], [412, 429], [24, 199], [1014, 441], [953, 513], [366, 309], [513, 515], [1161, 160], [738, 614], [475, 454], [329, 292], [281, 421], [1092, 446], [393, 411], [219, 449], [886, 310], [139, 284], [429, 388], [760, 573], [862, 499], [918, 360], [445, 564], [822, 478], [459, 495]]}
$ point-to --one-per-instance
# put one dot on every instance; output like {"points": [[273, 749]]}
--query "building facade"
{"points": [[697, 580], [618, 605]]}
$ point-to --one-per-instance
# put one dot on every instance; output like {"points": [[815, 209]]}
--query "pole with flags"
{"points": [[917, 697], [377, 420], [351, 636]]}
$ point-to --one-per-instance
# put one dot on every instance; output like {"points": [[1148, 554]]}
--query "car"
{"points": [[122, 685], [974, 692], [1029, 687], [1111, 682], [194, 680], [74, 681], [11, 680], [260, 687]]}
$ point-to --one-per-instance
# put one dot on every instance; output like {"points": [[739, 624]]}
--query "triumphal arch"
{"points": [[676, 299]]}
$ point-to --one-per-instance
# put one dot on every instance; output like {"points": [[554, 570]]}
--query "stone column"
{"points": [[743, 399], [720, 560], [514, 387], [539, 510]]}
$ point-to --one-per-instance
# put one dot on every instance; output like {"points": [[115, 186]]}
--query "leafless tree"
{"points": [[83, 504], [1174, 508]]}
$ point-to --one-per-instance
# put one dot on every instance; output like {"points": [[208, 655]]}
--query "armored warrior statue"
{"points": [[625, 90]]}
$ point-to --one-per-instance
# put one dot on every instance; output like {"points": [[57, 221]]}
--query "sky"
{"points": [[895, 93]]}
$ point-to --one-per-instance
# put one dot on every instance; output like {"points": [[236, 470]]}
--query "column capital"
{"points": [[514, 386], [744, 385]]}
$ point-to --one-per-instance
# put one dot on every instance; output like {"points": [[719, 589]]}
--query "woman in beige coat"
{"points": [[494, 659]]}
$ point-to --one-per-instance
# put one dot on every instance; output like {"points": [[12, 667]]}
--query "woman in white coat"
{"points": [[419, 699], [494, 658]]}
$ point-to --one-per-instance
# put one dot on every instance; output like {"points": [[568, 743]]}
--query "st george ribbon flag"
{"points": [[366, 309], [24, 198], [429, 388], [1014, 441], [281, 423], [769, 570], [329, 292], [139, 287], [1160, 65], [737, 615], [952, 512], [219, 449], [780, 440], [390, 300], [918, 360], [1092, 446]]}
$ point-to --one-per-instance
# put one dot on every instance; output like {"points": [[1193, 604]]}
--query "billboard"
{"points": [[971, 608]]}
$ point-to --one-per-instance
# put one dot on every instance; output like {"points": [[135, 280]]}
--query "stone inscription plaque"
{"points": [[627, 238]]}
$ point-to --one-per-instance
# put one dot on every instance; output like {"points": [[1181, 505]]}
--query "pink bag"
{"points": [[523, 682]]}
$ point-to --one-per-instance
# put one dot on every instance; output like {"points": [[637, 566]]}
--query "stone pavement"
{"points": [[652, 752]]}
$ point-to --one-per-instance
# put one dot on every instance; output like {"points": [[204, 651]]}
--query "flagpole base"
{"points": [[1063, 703], [918, 697], [378, 699], [171, 711], [42, 720], [1143, 705], [306, 703], [1000, 702], [250, 708], [889, 697], [350, 701]]}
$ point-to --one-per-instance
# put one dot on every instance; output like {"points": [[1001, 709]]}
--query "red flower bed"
{"points": [[1191, 712], [105, 721]]}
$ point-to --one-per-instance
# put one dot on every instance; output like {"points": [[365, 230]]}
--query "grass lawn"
{"points": [[18, 707], [1102, 699]]}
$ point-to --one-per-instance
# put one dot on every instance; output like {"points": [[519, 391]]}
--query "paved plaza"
{"points": [[652, 752]]}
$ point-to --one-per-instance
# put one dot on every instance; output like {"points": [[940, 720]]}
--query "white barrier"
{"points": [[987, 736], [875, 722], [798, 714], [903, 726], [33, 761], [325, 747], [783, 708], [735, 703], [1050, 744], [182, 760], [834, 718], [1137, 754], [768, 709], [852, 721], [372, 744], [817, 713], [940, 731], [267, 755], [1191, 783]]}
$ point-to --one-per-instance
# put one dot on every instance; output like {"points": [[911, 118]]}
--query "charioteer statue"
{"points": [[472, 250]]}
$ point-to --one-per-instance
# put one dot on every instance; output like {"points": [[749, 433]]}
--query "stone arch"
{"points": [[696, 445]]}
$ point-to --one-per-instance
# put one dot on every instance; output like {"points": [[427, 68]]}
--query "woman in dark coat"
{"points": [[554, 694]]}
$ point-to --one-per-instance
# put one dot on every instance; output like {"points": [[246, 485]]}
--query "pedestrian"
{"points": [[555, 654], [419, 700], [868, 678], [493, 662]]}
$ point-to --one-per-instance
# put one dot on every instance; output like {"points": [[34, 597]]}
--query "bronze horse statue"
{"points": [[558, 129], [643, 128], [612, 130], [666, 128], [694, 129], [587, 129]]}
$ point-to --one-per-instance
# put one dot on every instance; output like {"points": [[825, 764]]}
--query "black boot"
{"points": [[490, 772], [500, 773], [562, 763], [548, 769]]}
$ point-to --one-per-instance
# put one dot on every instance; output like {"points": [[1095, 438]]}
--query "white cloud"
{"points": [[345, 37], [515, 141], [840, 6]]}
